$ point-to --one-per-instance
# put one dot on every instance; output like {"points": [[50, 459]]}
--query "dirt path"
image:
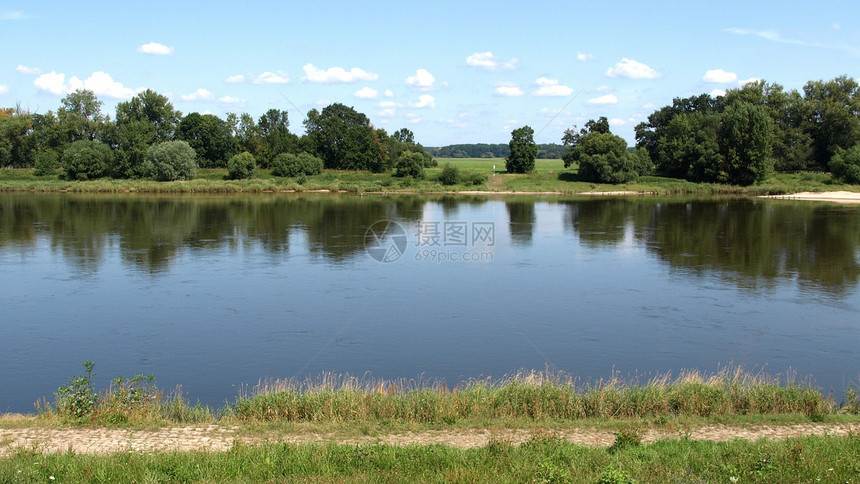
{"points": [[221, 438]]}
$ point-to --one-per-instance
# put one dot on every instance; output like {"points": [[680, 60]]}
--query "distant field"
{"points": [[485, 165]]}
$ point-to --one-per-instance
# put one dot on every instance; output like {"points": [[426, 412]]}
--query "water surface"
{"points": [[215, 292]]}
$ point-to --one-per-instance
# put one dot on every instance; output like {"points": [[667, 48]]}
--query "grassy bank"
{"points": [[522, 400], [542, 460], [549, 176], [545, 403]]}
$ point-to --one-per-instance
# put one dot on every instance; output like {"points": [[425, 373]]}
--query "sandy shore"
{"points": [[840, 197]]}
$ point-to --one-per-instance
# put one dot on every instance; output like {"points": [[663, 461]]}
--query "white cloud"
{"points": [[551, 88], [631, 69], [238, 78], [52, 82], [99, 82], [604, 88], [422, 80], [837, 26], [774, 36], [4, 89], [389, 93], [583, 57], [272, 78], [102, 84], [387, 113], [336, 74], [621, 122], [154, 48], [231, 100], [607, 99], [744, 82], [509, 89], [198, 95], [366, 93], [17, 15], [553, 113], [424, 101], [28, 70], [719, 76], [718, 92], [457, 123], [413, 118], [486, 61], [649, 106]]}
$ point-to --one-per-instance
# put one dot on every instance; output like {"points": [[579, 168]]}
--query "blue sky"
{"points": [[451, 71]]}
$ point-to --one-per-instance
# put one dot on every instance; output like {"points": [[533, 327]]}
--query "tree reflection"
{"points": [[751, 244], [521, 220]]}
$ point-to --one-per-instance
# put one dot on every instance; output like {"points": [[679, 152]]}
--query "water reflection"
{"points": [[748, 243], [752, 244]]}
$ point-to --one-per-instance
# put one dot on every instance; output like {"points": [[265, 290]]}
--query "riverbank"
{"points": [[531, 427], [549, 178], [835, 196], [822, 452]]}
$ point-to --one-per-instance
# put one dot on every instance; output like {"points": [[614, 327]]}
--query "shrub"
{"points": [[409, 164], [603, 158], [290, 165], [845, 165], [450, 175], [171, 160], [77, 399], [241, 166], [86, 160], [474, 178], [47, 163]]}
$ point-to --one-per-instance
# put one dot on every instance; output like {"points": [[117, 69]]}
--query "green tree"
{"points": [[80, 117], [86, 160], [290, 165], [450, 175], [834, 117], [345, 140], [792, 143], [15, 143], [603, 158], [275, 136], [153, 108], [651, 134], [409, 163], [209, 136], [171, 160], [523, 151], [688, 148], [46, 163], [404, 136], [241, 166], [845, 165], [746, 140], [134, 138]]}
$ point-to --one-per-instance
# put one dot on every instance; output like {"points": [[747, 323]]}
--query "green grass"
{"points": [[541, 460], [549, 176], [531, 396], [521, 400]]}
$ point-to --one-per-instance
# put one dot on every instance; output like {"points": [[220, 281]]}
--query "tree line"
{"points": [[148, 137], [500, 150], [739, 138]]}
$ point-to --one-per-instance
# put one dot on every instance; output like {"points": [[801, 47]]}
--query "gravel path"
{"points": [[218, 438]]}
